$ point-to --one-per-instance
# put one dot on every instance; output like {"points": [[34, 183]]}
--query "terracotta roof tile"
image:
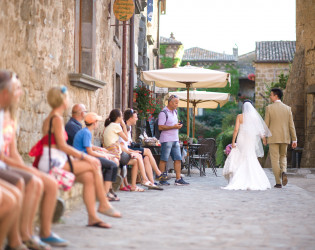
{"points": [[275, 51], [199, 54], [165, 40]]}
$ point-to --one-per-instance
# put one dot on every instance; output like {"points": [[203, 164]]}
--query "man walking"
{"points": [[169, 127], [74, 124], [279, 120]]}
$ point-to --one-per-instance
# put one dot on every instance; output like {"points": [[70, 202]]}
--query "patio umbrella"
{"points": [[201, 99], [186, 77]]}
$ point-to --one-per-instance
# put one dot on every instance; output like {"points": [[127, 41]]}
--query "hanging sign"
{"points": [[123, 9]]}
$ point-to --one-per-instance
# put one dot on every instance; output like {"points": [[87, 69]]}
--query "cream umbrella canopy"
{"points": [[186, 77], [201, 99]]}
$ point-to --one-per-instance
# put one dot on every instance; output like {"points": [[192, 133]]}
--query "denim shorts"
{"points": [[171, 148]]}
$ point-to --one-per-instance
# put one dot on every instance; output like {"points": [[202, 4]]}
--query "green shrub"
{"points": [[223, 140]]}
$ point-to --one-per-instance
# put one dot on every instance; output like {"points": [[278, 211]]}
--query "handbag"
{"points": [[64, 178]]}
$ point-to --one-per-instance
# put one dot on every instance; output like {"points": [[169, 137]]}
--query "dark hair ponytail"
{"points": [[113, 115]]}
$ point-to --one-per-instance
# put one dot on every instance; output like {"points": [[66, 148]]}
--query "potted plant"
{"points": [[184, 138]]}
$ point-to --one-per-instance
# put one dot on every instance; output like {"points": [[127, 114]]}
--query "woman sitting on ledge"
{"points": [[87, 169]]}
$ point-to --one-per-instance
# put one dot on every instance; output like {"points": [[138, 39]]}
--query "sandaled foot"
{"points": [[155, 187], [35, 243], [20, 247], [112, 192], [147, 184], [136, 189], [112, 212], [99, 224], [111, 197]]}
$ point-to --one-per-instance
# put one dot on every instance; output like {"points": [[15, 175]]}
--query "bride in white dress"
{"points": [[242, 168]]}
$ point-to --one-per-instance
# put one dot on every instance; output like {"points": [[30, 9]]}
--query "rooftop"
{"points": [[275, 51], [199, 54], [170, 40]]}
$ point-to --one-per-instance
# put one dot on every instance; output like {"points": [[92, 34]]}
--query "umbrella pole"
{"points": [[187, 86], [194, 120]]}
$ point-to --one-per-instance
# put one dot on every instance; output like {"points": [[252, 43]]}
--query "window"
{"points": [[117, 91], [85, 37], [117, 28]]}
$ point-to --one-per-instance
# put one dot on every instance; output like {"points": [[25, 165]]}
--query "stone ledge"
{"points": [[84, 81]]}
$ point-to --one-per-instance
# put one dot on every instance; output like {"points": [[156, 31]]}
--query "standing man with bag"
{"points": [[169, 128], [279, 120]]}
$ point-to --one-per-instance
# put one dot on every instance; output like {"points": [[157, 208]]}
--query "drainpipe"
{"points": [[158, 36], [131, 60], [124, 67]]}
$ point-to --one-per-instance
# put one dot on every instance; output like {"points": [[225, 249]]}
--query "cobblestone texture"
{"points": [[203, 216]]}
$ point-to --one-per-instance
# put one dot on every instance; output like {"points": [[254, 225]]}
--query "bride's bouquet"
{"points": [[228, 149]]}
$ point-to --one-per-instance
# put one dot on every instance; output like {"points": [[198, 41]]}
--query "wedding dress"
{"points": [[242, 168]]}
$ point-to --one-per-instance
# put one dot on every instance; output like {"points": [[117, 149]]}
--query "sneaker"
{"points": [[181, 182], [164, 183], [162, 177], [55, 240]]}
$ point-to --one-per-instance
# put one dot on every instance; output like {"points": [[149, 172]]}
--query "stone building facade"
{"points": [[171, 52], [300, 94], [72, 43], [272, 59], [245, 68]]}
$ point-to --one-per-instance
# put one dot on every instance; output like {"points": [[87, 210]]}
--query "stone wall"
{"points": [[305, 42], [265, 73], [37, 41]]}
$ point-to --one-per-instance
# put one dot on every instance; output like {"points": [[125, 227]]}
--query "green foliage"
{"points": [[183, 137], [169, 62], [281, 83], [234, 88], [223, 140], [163, 49], [147, 104]]}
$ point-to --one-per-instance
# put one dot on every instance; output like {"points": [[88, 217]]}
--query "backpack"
{"points": [[157, 132]]}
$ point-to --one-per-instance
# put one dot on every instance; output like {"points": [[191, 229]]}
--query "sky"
{"points": [[220, 25]]}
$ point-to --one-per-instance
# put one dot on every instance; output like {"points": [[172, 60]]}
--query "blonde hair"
{"points": [[56, 96]]}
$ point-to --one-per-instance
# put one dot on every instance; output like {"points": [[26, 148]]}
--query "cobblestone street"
{"points": [[203, 216]]}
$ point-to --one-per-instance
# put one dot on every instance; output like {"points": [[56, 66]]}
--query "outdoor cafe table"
{"points": [[192, 149]]}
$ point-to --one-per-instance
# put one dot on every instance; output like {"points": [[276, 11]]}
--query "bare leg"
{"points": [[162, 165], [32, 196], [148, 169], [82, 167], [14, 237], [9, 205], [48, 204], [147, 152], [107, 186], [178, 169], [141, 168], [134, 172], [87, 179]]}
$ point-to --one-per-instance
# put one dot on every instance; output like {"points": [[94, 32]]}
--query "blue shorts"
{"points": [[171, 148]]}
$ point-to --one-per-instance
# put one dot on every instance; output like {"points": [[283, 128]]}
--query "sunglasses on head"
{"points": [[172, 97]]}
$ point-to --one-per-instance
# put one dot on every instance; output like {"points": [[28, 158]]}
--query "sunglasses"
{"points": [[172, 97]]}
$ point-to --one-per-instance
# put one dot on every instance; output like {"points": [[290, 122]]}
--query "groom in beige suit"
{"points": [[280, 122]]}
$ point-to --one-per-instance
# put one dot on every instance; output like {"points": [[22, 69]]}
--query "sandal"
{"points": [[155, 187], [111, 197], [147, 184], [100, 224], [112, 212], [112, 192], [36, 244], [124, 189], [137, 189], [20, 247]]}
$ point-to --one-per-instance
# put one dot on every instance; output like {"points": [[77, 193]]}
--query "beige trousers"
{"points": [[278, 157]]}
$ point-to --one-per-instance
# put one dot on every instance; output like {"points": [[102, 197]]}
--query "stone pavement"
{"points": [[203, 216]]}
